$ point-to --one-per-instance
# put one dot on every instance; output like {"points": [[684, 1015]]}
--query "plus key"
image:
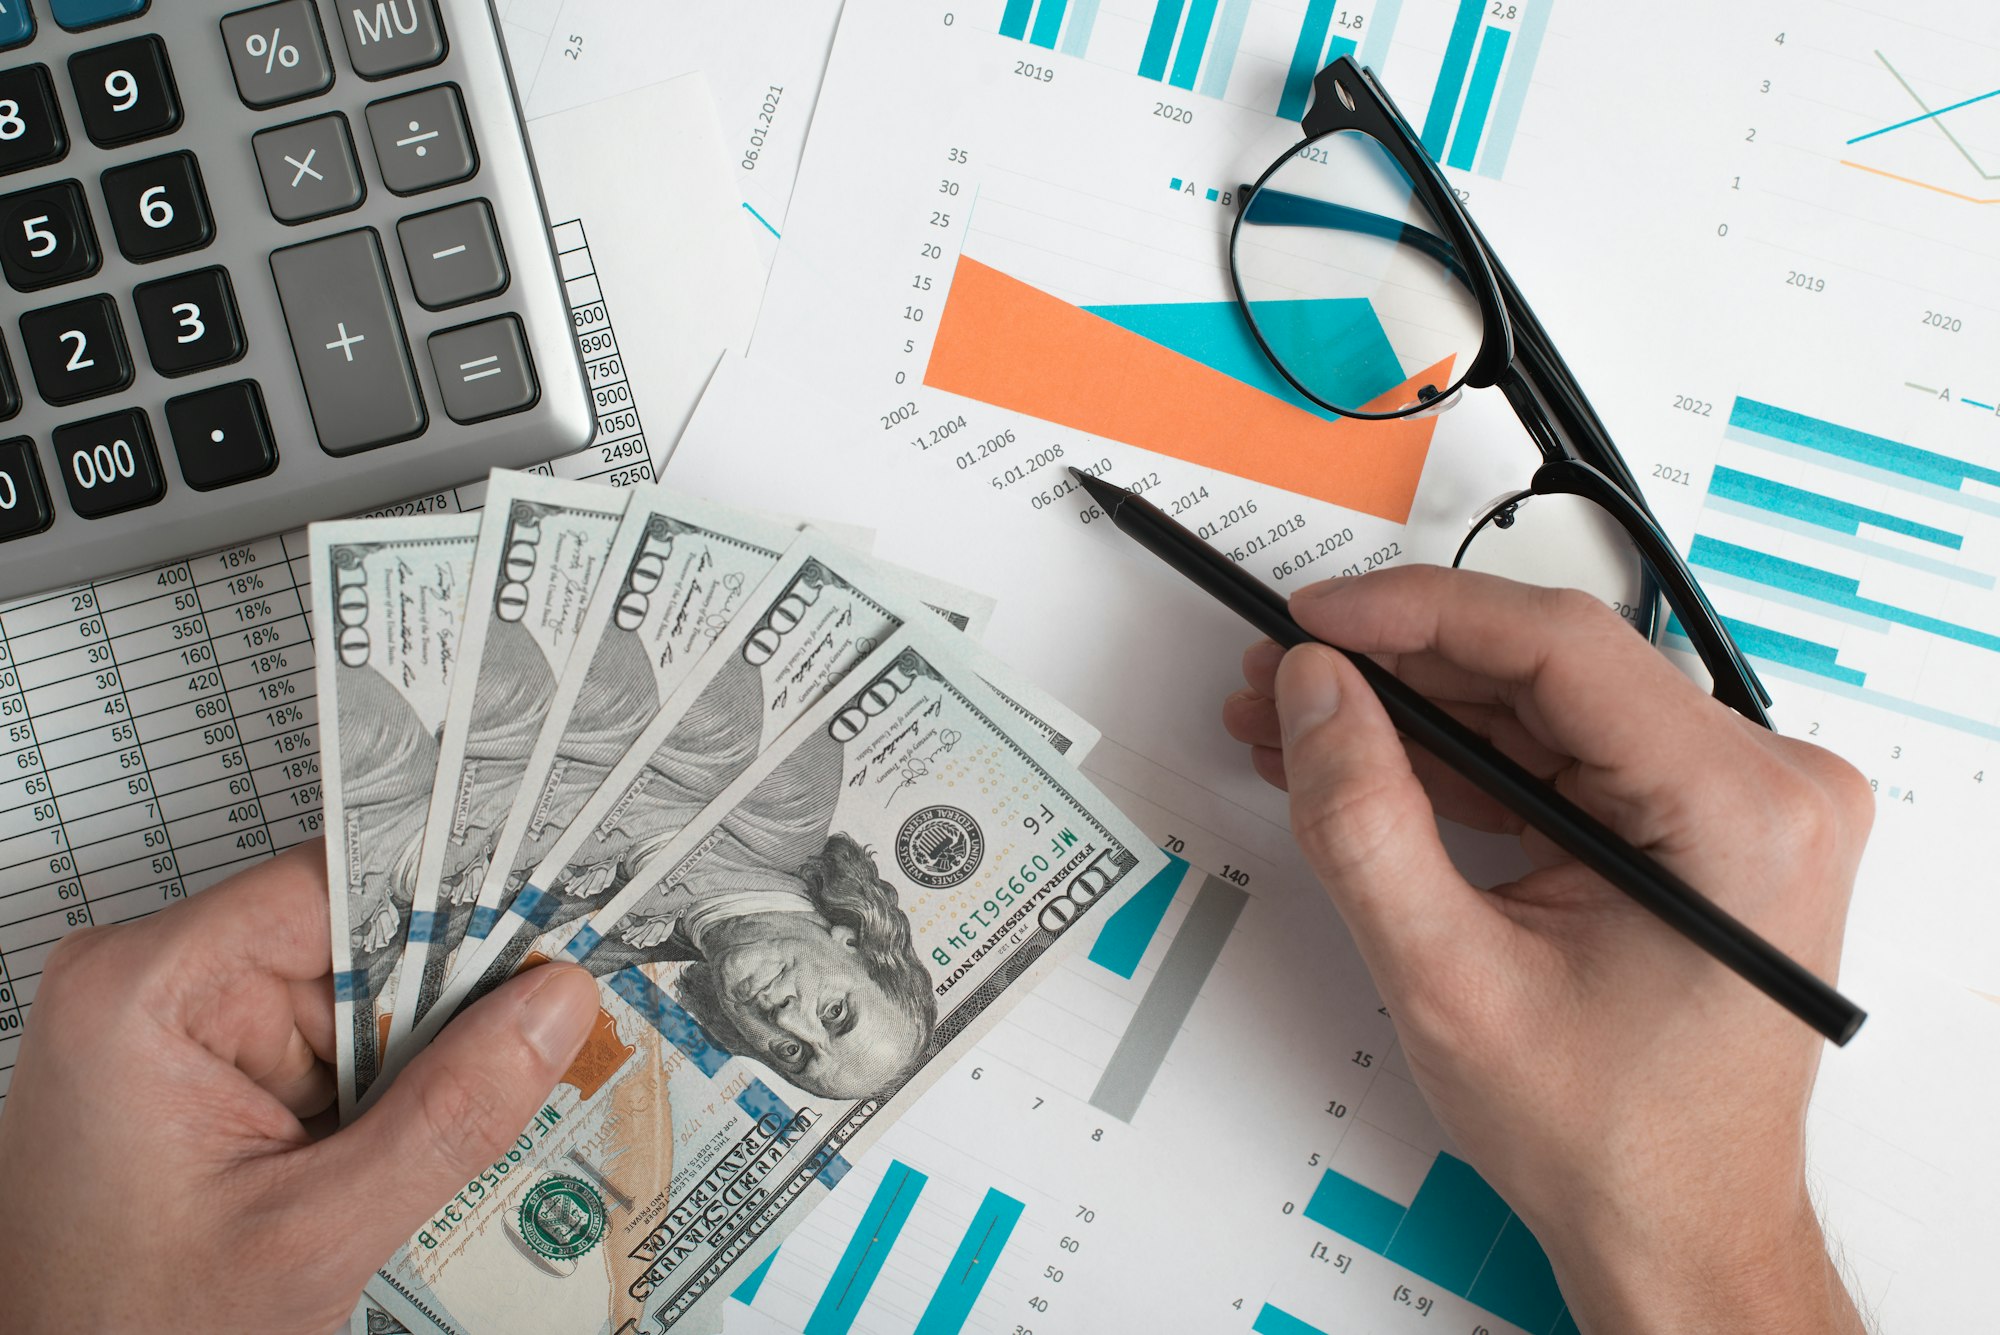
{"points": [[349, 342]]}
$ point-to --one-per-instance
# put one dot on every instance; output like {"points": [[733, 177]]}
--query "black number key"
{"points": [[221, 435], [158, 207], [77, 350], [125, 91], [189, 322], [46, 237], [31, 126], [108, 463], [24, 501]]}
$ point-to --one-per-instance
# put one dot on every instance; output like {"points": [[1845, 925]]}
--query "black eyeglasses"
{"points": [[1376, 296]]}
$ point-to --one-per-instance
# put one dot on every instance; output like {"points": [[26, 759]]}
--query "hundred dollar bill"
{"points": [[777, 985], [679, 570], [822, 610], [389, 600], [543, 543]]}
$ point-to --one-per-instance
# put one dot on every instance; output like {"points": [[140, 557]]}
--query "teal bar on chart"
{"points": [[1048, 23], [1276, 1321], [1374, 52], [1451, 1225], [1338, 47], [1843, 442], [1773, 646], [1222, 48], [1451, 76], [1824, 586], [1479, 98], [1194, 41], [1123, 939], [1082, 18], [1014, 18], [1457, 1234], [1306, 60], [1825, 512], [866, 1252], [1514, 92], [1516, 1281], [1354, 1211], [971, 1265], [1160, 39]]}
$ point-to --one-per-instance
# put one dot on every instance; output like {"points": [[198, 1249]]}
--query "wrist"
{"points": [[1769, 1273]]}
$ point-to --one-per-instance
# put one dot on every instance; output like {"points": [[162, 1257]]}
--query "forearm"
{"points": [[1775, 1279]]}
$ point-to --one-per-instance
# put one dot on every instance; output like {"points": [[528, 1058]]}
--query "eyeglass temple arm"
{"points": [[1281, 208]]}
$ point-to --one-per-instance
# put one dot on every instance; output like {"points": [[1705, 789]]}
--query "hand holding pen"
{"points": [[1501, 777], [1638, 1106]]}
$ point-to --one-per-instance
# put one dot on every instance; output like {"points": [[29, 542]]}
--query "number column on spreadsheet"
{"points": [[22, 786], [87, 831]]}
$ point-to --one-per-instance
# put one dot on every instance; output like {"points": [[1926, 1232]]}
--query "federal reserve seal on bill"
{"points": [[562, 1217], [940, 847]]}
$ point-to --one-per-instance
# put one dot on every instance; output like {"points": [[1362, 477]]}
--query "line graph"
{"points": [[1934, 117]]}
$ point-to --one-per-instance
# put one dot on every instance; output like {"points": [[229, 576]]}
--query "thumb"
{"points": [[1363, 820], [451, 1112]]}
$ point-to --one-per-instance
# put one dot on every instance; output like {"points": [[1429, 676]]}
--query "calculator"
{"points": [[263, 263]]}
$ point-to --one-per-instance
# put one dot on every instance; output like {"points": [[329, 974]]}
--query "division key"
{"points": [[349, 342]]}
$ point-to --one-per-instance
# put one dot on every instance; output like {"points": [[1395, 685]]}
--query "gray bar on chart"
{"points": [[1169, 998]]}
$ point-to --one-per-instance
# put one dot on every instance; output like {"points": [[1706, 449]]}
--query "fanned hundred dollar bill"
{"points": [[388, 621], [778, 983], [679, 570], [822, 610], [543, 544]]}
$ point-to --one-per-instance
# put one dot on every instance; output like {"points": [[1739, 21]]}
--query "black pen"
{"points": [[1574, 830]]}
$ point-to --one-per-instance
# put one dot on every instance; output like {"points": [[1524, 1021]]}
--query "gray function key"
{"points": [[483, 370], [349, 342], [454, 254], [308, 168], [387, 37], [277, 53], [421, 140]]}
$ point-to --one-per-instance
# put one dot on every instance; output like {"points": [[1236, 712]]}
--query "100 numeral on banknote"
{"points": [[779, 982]]}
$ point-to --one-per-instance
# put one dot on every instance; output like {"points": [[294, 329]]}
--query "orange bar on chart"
{"points": [[1014, 346]]}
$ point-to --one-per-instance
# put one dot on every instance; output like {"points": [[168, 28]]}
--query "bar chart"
{"points": [[1855, 563], [1202, 47], [1480, 90], [1457, 1234]]}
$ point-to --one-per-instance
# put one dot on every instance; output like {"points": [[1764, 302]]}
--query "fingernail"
{"points": [[1262, 658], [1308, 691], [557, 1015]]}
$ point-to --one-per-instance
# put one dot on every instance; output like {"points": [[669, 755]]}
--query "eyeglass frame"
{"points": [[1516, 355]]}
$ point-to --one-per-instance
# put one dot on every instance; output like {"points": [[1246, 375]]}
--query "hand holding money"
{"points": [[218, 1209], [809, 839]]}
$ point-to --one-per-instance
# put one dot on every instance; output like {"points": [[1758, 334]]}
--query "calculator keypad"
{"points": [[258, 237], [125, 92], [24, 500], [158, 208], [31, 124], [190, 322], [77, 350], [108, 464], [46, 237]]}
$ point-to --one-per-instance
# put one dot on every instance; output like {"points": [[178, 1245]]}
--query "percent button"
{"points": [[277, 53]]}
